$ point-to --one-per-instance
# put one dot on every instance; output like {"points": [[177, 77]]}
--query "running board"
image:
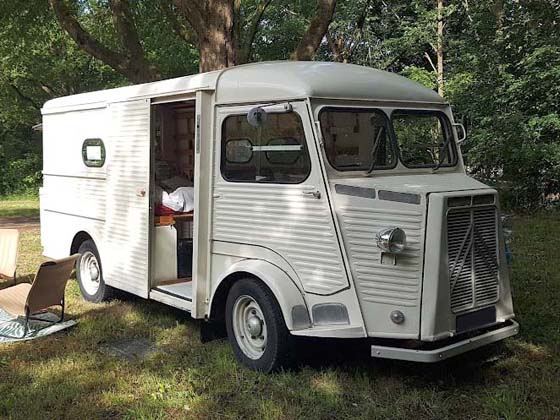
{"points": [[171, 300]]}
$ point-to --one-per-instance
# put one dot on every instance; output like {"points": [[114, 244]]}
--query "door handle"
{"points": [[315, 194], [141, 192]]}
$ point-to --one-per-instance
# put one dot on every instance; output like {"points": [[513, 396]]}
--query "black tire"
{"points": [[104, 292], [279, 349]]}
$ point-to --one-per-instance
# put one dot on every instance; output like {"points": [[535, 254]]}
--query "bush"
{"points": [[21, 176]]}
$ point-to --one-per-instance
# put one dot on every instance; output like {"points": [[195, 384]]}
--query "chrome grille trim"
{"points": [[472, 249]]}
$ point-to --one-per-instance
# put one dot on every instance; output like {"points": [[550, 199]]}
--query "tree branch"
{"points": [[193, 13], [316, 30], [134, 67], [24, 97], [84, 40], [430, 61], [358, 31], [126, 29], [181, 30], [334, 47], [247, 45]]}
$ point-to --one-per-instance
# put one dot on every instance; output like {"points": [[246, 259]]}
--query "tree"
{"points": [[37, 62], [223, 32]]}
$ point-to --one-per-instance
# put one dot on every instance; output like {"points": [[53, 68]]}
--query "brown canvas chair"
{"points": [[47, 290], [8, 253]]}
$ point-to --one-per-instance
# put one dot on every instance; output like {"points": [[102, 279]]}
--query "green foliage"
{"points": [[507, 89], [502, 75], [501, 69]]}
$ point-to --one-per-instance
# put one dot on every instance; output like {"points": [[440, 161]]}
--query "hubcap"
{"points": [[249, 327], [90, 274]]}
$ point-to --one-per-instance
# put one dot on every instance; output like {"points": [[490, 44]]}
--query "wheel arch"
{"points": [[283, 288], [78, 239]]}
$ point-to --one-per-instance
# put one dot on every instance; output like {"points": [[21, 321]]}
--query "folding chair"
{"points": [[47, 290], [9, 239]]}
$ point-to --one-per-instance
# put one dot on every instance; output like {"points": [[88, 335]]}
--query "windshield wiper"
{"points": [[445, 153], [374, 151]]}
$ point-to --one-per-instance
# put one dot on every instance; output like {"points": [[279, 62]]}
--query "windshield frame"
{"points": [[388, 108], [371, 110], [447, 131]]}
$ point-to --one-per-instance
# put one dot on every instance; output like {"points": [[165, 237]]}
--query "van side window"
{"points": [[93, 153], [274, 153]]}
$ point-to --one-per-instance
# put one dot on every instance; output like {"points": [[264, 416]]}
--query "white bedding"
{"points": [[182, 199]]}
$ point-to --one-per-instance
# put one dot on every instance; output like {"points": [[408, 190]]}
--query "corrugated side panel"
{"points": [[74, 195], [280, 217], [393, 284], [125, 247]]}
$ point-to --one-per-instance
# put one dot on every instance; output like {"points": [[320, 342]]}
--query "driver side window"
{"points": [[273, 153]]}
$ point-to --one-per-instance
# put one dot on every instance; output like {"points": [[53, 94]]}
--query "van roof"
{"points": [[278, 80]]}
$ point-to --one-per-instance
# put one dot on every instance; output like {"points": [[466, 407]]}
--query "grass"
{"points": [[68, 376], [19, 206]]}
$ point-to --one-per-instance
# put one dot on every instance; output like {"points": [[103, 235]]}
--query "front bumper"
{"points": [[445, 352]]}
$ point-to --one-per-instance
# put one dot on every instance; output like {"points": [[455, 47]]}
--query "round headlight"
{"points": [[392, 240]]}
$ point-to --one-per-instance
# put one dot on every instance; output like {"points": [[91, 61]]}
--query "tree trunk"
{"points": [[316, 31], [439, 47], [215, 30], [217, 46]]}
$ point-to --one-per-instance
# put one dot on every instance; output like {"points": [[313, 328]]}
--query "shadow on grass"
{"points": [[68, 375]]}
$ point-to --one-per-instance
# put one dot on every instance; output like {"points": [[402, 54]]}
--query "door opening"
{"points": [[173, 198]]}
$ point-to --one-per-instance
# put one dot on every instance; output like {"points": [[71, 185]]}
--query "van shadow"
{"points": [[351, 355]]}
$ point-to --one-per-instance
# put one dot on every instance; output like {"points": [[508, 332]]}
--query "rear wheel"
{"points": [[90, 274], [256, 327]]}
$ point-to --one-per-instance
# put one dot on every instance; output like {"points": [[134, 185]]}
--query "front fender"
{"points": [[284, 289]]}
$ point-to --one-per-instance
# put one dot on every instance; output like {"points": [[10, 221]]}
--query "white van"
{"points": [[286, 199]]}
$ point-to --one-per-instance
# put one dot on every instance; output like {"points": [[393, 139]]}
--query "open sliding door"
{"points": [[125, 249]]}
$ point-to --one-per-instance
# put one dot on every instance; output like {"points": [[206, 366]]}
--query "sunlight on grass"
{"points": [[327, 383], [18, 207]]}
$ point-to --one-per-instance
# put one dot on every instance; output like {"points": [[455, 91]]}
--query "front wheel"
{"points": [[256, 327]]}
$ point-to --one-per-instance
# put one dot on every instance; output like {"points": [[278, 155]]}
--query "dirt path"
{"points": [[22, 223]]}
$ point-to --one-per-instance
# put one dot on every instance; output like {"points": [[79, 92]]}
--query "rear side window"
{"points": [[274, 153], [93, 153]]}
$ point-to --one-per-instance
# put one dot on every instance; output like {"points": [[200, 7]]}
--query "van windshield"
{"points": [[357, 139], [367, 139]]}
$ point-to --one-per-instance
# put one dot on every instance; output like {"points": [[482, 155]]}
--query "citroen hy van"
{"points": [[326, 200]]}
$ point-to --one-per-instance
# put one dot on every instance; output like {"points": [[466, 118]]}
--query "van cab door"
{"points": [[269, 192]]}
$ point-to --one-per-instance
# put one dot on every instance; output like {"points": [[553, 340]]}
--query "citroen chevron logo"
{"points": [[475, 258]]}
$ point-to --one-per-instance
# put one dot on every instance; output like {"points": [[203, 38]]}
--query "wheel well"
{"points": [[217, 311], [79, 239]]}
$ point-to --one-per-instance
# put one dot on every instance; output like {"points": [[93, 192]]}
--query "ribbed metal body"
{"points": [[282, 218], [473, 257], [384, 282], [377, 282], [125, 251]]}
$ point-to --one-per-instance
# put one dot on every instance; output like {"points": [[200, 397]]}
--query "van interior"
{"points": [[173, 198]]}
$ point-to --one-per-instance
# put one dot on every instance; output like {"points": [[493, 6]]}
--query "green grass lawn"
{"points": [[68, 376], [19, 207]]}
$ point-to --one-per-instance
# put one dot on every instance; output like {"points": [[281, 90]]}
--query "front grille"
{"points": [[472, 251]]}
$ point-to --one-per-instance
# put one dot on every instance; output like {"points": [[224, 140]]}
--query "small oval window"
{"points": [[93, 153]]}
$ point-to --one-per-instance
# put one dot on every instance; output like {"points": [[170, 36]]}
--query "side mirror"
{"points": [[463, 135], [256, 117]]}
